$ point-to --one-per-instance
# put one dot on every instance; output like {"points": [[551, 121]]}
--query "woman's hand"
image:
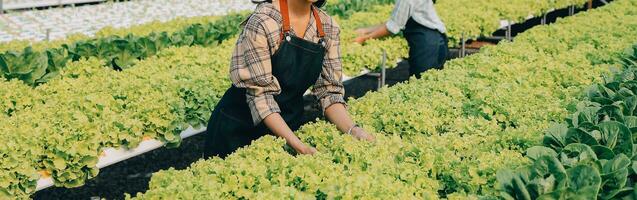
{"points": [[364, 34], [359, 133], [277, 125], [374, 32], [338, 115], [361, 39], [307, 150], [363, 31]]}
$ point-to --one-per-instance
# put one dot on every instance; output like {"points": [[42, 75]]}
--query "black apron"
{"points": [[427, 48], [297, 65]]}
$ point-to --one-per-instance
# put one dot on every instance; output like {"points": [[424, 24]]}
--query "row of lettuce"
{"points": [[446, 135], [41, 62], [482, 18], [59, 128], [592, 153], [121, 51]]}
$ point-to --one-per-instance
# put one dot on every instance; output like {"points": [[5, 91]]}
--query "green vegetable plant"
{"points": [[35, 67], [346, 8], [598, 136]]}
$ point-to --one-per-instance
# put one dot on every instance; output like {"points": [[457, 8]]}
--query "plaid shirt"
{"points": [[251, 66]]}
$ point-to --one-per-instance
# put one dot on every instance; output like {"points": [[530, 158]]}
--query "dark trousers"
{"points": [[427, 48]]}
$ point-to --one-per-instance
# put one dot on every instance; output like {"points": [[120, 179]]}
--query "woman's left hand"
{"points": [[359, 133]]}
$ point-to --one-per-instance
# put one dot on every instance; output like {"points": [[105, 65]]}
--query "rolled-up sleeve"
{"points": [[399, 17], [251, 69], [329, 86]]}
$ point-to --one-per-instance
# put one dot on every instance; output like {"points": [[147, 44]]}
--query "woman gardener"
{"points": [[286, 46]]}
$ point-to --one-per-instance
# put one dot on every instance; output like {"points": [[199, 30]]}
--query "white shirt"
{"points": [[422, 11]]}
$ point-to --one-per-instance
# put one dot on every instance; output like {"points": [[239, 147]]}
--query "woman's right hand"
{"points": [[279, 128], [307, 150], [361, 134]]}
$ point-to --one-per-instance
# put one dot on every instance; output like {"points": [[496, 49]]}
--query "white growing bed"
{"points": [[60, 22], [27, 4], [112, 156], [505, 23]]}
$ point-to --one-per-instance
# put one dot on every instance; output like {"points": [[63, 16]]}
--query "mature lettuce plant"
{"points": [[592, 154]]}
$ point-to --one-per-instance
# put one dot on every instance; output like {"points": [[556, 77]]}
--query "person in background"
{"points": [[423, 29], [285, 47]]}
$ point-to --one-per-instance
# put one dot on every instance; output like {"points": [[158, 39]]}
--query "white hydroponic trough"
{"points": [[112, 155]]}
